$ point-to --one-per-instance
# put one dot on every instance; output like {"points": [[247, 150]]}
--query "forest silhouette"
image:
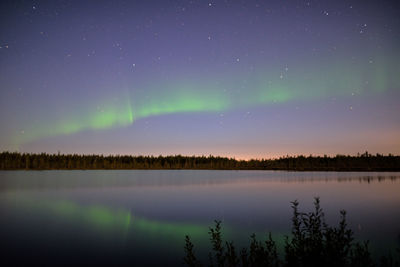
{"points": [[43, 161]]}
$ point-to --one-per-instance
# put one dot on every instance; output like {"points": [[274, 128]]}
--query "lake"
{"points": [[140, 217]]}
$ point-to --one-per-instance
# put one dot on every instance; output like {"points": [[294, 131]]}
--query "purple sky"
{"points": [[232, 78]]}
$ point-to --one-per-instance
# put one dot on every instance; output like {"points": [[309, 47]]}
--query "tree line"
{"points": [[44, 161]]}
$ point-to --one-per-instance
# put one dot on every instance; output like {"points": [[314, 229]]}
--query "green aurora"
{"points": [[266, 88]]}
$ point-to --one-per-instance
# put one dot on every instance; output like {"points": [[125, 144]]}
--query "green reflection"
{"points": [[96, 216], [176, 230], [106, 219], [119, 223]]}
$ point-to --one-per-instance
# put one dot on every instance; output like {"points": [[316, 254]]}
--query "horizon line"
{"points": [[366, 153]]}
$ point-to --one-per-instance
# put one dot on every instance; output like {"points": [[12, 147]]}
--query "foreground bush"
{"points": [[312, 243]]}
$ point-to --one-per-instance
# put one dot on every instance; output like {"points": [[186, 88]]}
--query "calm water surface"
{"points": [[141, 217]]}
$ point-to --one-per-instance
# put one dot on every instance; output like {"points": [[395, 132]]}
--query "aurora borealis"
{"points": [[245, 79]]}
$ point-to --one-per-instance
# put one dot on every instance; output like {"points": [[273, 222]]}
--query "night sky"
{"points": [[244, 79]]}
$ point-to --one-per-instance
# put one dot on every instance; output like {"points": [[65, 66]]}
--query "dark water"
{"points": [[141, 217]]}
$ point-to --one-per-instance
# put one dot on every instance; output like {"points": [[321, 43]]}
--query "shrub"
{"points": [[312, 243]]}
